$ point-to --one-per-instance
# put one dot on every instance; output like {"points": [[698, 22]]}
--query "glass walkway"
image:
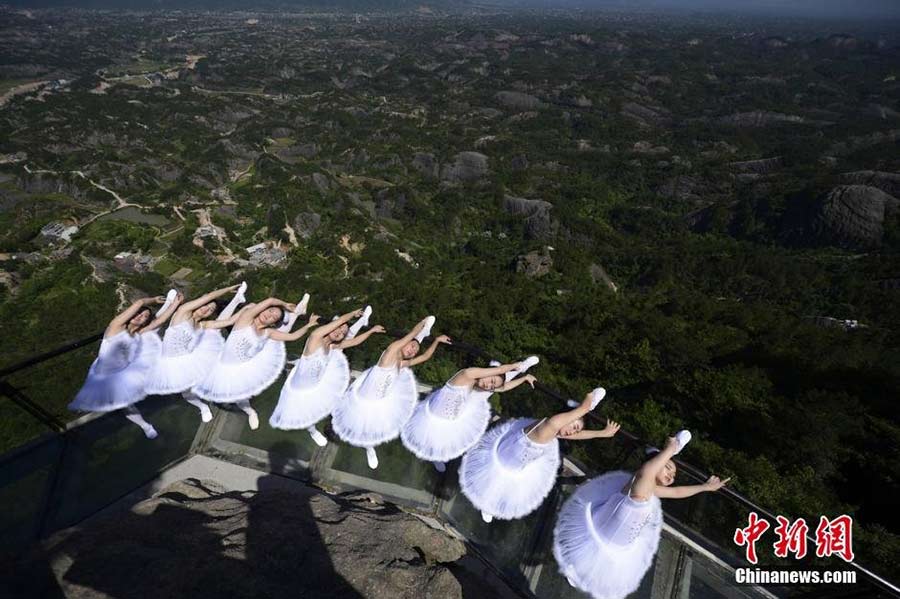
{"points": [[56, 473]]}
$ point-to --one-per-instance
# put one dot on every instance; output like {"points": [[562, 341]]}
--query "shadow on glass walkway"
{"points": [[56, 473]]}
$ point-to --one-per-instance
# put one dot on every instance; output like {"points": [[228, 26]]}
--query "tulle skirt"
{"points": [[302, 408], [367, 422], [175, 374], [437, 439], [108, 391], [230, 382], [503, 492], [599, 568]]}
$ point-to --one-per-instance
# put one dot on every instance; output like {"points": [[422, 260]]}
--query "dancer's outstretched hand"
{"points": [[444, 339], [234, 287], [179, 297], [313, 319], [530, 379], [714, 483], [378, 329], [159, 299], [359, 313], [611, 428]]}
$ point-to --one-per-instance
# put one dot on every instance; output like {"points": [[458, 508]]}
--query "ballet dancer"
{"points": [[512, 469], [320, 377], [129, 349], [608, 531], [191, 346], [452, 419], [253, 355], [381, 400]]}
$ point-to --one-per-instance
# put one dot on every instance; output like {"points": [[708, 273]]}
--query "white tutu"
{"points": [[188, 354], [588, 557], [376, 406], [118, 376], [432, 434], [496, 485], [248, 364], [312, 389]]}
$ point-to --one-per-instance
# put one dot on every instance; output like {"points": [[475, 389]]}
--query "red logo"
{"points": [[748, 536], [833, 537]]}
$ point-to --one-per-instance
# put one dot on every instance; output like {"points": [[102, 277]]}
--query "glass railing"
{"points": [[52, 480], [58, 467]]}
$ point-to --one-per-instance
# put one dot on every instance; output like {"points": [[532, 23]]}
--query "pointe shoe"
{"points": [[426, 330], [572, 403], [494, 364], [682, 438], [205, 414], [242, 292], [364, 319], [170, 297], [596, 396], [486, 517], [528, 363], [440, 466], [372, 458], [319, 438], [301, 307], [150, 432], [253, 420]]}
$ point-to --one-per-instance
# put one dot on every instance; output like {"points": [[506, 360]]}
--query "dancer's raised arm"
{"points": [[165, 315], [548, 430], [118, 323], [714, 483], [612, 427], [468, 376], [427, 354], [510, 385], [328, 328], [359, 339], [293, 336], [191, 305]]}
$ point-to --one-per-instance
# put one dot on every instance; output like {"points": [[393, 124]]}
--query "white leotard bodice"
{"points": [[378, 381], [310, 369], [516, 450], [179, 339], [449, 400], [621, 518], [117, 352], [242, 344]]}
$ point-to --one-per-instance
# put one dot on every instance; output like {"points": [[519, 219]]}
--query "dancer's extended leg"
{"points": [[372, 457], [238, 299], [318, 437], [205, 412], [252, 416], [134, 415], [360, 323]]}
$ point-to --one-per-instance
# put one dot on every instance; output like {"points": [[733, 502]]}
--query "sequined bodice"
{"points": [[378, 382], [621, 518], [118, 351], [242, 344], [179, 339], [516, 450], [448, 401], [310, 369]]}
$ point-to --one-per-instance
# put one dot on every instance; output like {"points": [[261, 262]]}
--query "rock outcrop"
{"points": [[852, 216], [889, 183], [518, 100], [307, 223], [538, 222], [534, 264], [467, 167], [197, 539]]}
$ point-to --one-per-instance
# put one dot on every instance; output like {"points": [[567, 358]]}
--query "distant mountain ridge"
{"points": [[238, 5]]}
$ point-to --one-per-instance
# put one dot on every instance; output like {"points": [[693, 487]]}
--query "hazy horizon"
{"points": [[814, 9]]}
